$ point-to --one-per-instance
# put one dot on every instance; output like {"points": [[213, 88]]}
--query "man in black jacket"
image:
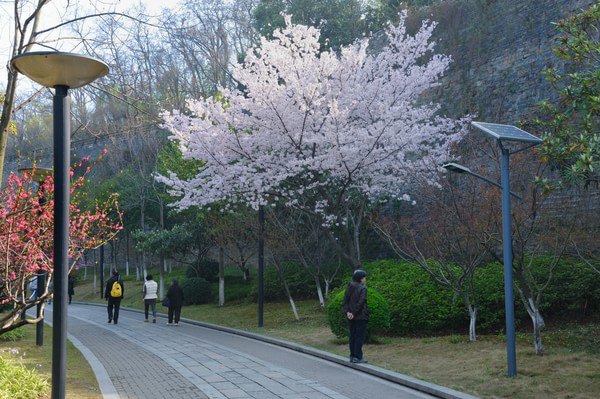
{"points": [[113, 297], [356, 310]]}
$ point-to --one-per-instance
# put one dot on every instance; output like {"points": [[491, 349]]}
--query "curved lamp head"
{"points": [[52, 68], [38, 175], [457, 168]]}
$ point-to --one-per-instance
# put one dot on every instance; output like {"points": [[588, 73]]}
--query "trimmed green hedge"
{"points": [[379, 314], [417, 304], [17, 381], [420, 306], [196, 291]]}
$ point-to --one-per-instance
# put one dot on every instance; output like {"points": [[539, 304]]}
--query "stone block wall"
{"points": [[499, 48]]}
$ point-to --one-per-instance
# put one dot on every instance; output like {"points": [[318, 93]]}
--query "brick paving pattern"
{"points": [[146, 360]]}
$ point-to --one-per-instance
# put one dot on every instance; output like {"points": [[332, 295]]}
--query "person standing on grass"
{"points": [[150, 294], [113, 294], [357, 312], [175, 297]]}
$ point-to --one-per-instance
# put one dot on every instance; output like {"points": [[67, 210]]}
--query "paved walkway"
{"points": [[140, 360]]}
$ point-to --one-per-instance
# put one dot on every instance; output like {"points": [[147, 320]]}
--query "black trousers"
{"points": [[358, 334], [174, 311], [113, 309]]}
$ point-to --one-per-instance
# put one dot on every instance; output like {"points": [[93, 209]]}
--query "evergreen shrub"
{"points": [[13, 335], [417, 303], [196, 291], [207, 269], [379, 314]]}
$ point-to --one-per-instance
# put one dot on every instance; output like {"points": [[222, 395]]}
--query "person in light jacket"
{"points": [[150, 291], [357, 312], [175, 297]]}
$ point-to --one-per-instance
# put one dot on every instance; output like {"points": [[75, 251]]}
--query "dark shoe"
{"points": [[145, 320], [109, 320], [154, 320], [115, 322], [359, 361]]}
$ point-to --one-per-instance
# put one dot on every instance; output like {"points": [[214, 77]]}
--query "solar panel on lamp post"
{"points": [[39, 175], [61, 71], [503, 134]]}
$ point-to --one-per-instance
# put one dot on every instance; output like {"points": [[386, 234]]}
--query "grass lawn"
{"points": [[81, 381], [569, 369]]}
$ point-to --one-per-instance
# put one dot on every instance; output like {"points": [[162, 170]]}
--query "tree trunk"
{"points": [[472, 322], [85, 267], [221, 277], [319, 291], [127, 252], [326, 288], [95, 274], [287, 291], [538, 325]]}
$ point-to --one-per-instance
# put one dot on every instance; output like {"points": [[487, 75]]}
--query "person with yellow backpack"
{"points": [[113, 294]]}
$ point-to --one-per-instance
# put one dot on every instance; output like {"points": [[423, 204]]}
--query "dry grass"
{"points": [[80, 379], [570, 368]]}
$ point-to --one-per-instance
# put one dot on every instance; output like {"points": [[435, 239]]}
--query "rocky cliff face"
{"points": [[499, 48]]}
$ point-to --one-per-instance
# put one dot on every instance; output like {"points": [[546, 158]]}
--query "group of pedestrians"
{"points": [[354, 306], [115, 292]]}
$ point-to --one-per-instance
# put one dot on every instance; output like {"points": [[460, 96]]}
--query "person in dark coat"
{"points": [[357, 312], [114, 301], [175, 297], [71, 287]]}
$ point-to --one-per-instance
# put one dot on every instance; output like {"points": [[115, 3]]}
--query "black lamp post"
{"points": [[261, 262], [39, 175], [61, 71]]}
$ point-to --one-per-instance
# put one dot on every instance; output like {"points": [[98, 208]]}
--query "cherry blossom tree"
{"points": [[26, 237], [322, 131]]}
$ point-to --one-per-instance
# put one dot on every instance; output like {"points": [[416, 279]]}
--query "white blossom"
{"points": [[309, 121]]}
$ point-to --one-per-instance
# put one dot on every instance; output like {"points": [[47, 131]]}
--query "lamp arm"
{"points": [[493, 183]]}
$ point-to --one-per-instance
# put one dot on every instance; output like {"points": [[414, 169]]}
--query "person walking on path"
{"points": [[357, 312], [149, 297], [175, 297], [71, 287], [113, 294]]}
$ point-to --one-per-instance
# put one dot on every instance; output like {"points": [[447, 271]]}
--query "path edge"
{"points": [[107, 388], [402, 379]]}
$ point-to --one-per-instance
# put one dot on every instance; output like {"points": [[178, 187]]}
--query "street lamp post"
{"points": [[39, 175], [504, 134], [61, 71], [261, 262]]}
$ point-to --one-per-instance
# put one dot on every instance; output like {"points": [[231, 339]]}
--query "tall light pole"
{"points": [[61, 71], [39, 175], [261, 261], [504, 134]]}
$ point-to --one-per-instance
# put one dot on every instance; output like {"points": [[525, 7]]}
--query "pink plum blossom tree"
{"points": [[325, 132], [26, 237]]}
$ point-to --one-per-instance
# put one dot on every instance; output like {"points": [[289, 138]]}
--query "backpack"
{"points": [[116, 290]]}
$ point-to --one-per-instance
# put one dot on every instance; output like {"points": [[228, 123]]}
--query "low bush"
{"points": [[17, 381], [207, 269], [379, 314], [418, 305], [196, 291], [12, 335]]}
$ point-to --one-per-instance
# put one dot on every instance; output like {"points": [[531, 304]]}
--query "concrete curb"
{"points": [[405, 380], [107, 388]]}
